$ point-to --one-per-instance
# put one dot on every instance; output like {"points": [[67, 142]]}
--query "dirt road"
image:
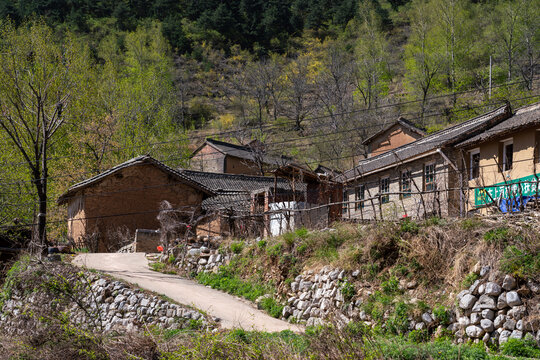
{"points": [[233, 312]]}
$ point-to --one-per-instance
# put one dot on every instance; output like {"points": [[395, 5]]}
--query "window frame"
{"points": [[360, 195], [471, 169], [402, 189], [385, 196], [345, 203], [431, 183], [505, 144]]}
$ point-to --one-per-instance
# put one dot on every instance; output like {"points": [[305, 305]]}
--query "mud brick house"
{"points": [[400, 132], [125, 198], [222, 157], [418, 179], [128, 196], [502, 164], [240, 201]]}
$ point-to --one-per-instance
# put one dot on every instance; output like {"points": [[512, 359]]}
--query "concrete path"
{"points": [[233, 312]]}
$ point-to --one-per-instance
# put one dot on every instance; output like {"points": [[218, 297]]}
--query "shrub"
{"points": [[520, 262], [517, 347], [398, 322], [237, 247], [275, 250], [289, 238], [158, 266], [409, 226], [442, 315], [469, 279], [470, 224], [261, 244], [272, 307], [419, 336], [302, 232], [301, 249], [497, 236], [347, 290], [390, 286]]}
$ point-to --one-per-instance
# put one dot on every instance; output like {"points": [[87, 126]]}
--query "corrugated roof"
{"points": [[244, 152], [136, 161], [446, 137], [523, 118]]}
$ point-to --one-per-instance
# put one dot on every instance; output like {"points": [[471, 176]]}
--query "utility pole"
{"points": [[490, 77]]}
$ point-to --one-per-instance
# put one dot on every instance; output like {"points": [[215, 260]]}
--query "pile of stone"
{"points": [[315, 296], [108, 305], [197, 258], [495, 311]]}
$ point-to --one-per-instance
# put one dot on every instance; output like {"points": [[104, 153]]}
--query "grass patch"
{"points": [[520, 262]]}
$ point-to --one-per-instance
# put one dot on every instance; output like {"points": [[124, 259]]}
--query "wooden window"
{"points": [[360, 196], [429, 177], [384, 188], [508, 155], [345, 204], [474, 164], [405, 184]]}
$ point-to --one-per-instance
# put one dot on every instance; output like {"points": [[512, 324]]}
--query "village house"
{"points": [[124, 198], [419, 179], [398, 133], [502, 164], [223, 157]]}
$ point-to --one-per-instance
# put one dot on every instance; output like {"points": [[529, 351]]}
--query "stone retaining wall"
{"points": [[110, 305], [198, 258]]}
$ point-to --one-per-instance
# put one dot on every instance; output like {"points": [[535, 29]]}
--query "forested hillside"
{"points": [[310, 78]]}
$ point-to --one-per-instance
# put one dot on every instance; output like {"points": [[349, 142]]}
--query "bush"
{"points": [[275, 250], [409, 226], [398, 323], [261, 244], [442, 315], [520, 262], [272, 307], [347, 290], [497, 236], [158, 266], [525, 348], [237, 247], [390, 286], [469, 279]]}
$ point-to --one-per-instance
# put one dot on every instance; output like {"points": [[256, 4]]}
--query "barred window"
{"points": [[384, 188], [405, 184], [360, 195], [429, 177]]}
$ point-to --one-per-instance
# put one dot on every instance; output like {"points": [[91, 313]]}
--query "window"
{"points": [[508, 155], [474, 165], [405, 184], [360, 195], [429, 177], [345, 204], [384, 188]]}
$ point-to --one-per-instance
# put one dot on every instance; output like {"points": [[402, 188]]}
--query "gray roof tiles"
{"points": [[446, 137]]}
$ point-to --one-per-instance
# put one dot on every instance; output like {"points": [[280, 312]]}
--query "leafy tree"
{"points": [[39, 82]]}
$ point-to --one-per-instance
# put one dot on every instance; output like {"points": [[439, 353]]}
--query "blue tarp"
{"points": [[514, 204]]}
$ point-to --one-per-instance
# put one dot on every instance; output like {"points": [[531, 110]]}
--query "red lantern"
{"points": [[160, 248]]}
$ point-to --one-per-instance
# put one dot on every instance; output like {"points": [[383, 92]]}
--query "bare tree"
{"points": [[38, 80], [299, 96]]}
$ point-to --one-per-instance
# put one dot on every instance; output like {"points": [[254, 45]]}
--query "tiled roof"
{"points": [[236, 183], [235, 201], [523, 118], [446, 137], [139, 160], [244, 152]]}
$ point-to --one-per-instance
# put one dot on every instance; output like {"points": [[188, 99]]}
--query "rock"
{"points": [[474, 331], [287, 311], [492, 289], [513, 299], [534, 286], [426, 317], [193, 252], [488, 314], [305, 285], [294, 286], [485, 270], [475, 318], [509, 283], [486, 302], [501, 301], [202, 261], [474, 287], [504, 336], [355, 273], [486, 338], [467, 301], [420, 326], [463, 322], [481, 289], [517, 312], [499, 321], [487, 325], [516, 334], [462, 293], [509, 324], [519, 325]]}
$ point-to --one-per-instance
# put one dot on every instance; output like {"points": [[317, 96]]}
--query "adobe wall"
{"points": [[208, 159], [234, 165], [130, 199], [394, 137]]}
